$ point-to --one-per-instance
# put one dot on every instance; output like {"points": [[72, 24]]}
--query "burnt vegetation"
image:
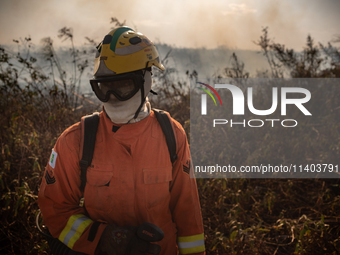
{"points": [[241, 216]]}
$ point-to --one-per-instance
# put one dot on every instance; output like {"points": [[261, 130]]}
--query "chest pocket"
{"points": [[98, 199], [156, 182], [100, 175]]}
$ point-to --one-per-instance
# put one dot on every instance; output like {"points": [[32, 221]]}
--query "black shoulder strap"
{"points": [[168, 131], [90, 130]]}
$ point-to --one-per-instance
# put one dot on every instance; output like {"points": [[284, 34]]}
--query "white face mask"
{"points": [[123, 112]]}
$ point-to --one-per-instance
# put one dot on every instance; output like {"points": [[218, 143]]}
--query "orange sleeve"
{"points": [[184, 203], [59, 196]]}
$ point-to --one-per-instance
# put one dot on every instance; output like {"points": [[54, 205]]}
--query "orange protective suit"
{"points": [[131, 180]]}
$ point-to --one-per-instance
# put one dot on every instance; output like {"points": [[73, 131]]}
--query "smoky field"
{"points": [[240, 215]]}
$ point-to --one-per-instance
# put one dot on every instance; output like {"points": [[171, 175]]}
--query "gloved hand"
{"points": [[130, 240]]}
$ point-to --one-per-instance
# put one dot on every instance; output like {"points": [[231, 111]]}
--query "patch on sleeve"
{"points": [[53, 159], [49, 176], [186, 167]]}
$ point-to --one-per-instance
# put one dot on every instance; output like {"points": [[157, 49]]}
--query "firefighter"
{"points": [[131, 180]]}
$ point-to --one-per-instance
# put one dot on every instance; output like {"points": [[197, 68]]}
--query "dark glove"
{"points": [[130, 240]]}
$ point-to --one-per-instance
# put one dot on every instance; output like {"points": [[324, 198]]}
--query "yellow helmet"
{"points": [[123, 50]]}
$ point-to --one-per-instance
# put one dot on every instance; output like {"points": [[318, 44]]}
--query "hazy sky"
{"points": [[181, 23]]}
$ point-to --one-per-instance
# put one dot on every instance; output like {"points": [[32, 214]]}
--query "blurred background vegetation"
{"points": [[241, 216]]}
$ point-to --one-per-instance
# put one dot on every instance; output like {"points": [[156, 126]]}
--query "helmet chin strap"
{"points": [[143, 97]]}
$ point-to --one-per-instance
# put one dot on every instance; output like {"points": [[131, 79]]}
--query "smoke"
{"points": [[21, 18], [181, 23], [220, 23]]}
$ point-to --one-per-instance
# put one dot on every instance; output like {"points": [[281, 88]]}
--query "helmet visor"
{"points": [[122, 86]]}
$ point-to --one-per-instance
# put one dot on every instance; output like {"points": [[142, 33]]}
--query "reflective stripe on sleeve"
{"points": [[75, 227], [191, 244]]}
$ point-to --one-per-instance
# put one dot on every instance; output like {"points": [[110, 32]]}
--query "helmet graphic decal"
{"points": [[124, 50], [130, 49], [116, 35]]}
